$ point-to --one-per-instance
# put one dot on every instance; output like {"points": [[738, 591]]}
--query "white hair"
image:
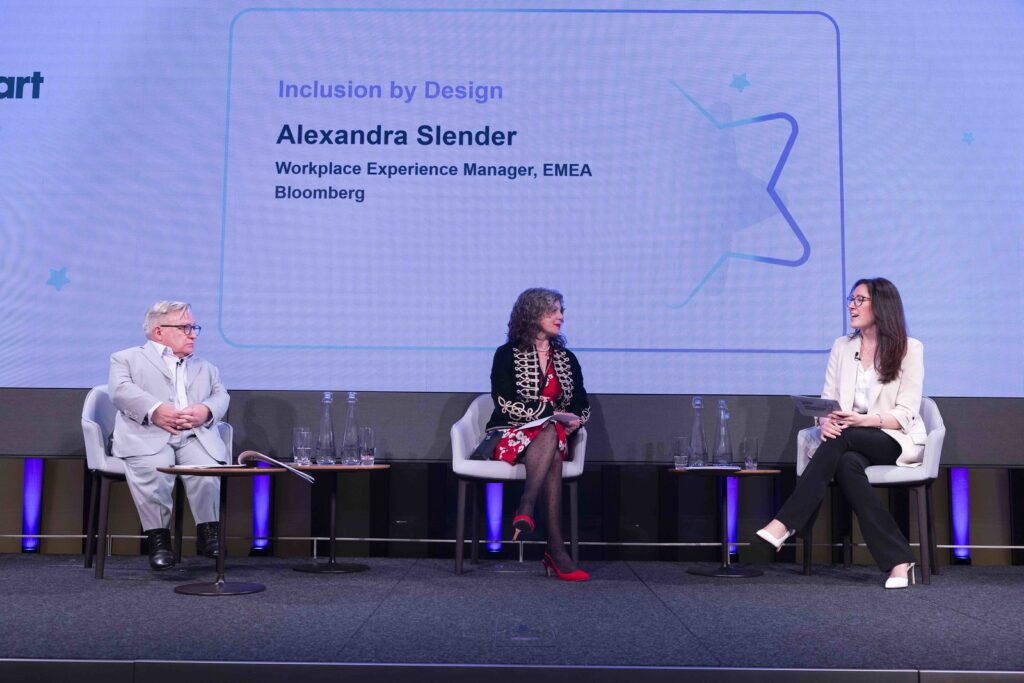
{"points": [[159, 310]]}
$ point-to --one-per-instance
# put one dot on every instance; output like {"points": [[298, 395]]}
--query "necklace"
{"points": [[543, 359]]}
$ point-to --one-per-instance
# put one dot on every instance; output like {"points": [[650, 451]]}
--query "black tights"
{"points": [[845, 458], [544, 480]]}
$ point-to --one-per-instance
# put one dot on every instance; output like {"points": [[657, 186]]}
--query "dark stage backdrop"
{"points": [[414, 426]]}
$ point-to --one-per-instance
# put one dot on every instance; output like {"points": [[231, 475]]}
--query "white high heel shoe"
{"points": [[776, 542], [902, 581]]}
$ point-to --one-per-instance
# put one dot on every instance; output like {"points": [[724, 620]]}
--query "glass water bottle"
{"points": [[723, 444], [350, 437], [324, 452], [698, 444]]}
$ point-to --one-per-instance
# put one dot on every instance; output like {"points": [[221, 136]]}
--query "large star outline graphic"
{"points": [[770, 189]]}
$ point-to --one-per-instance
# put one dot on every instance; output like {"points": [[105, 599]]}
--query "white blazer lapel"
{"points": [[848, 374], [875, 390]]}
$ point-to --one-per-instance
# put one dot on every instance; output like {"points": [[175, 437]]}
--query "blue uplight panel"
{"points": [[494, 497], [32, 500], [960, 501], [260, 510], [731, 498]]}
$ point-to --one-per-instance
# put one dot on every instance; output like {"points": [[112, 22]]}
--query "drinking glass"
{"points": [[367, 450], [748, 449], [680, 456], [302, 446]]}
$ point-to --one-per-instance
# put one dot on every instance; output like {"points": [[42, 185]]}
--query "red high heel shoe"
{"points": [[522, 523], [575, 575]]}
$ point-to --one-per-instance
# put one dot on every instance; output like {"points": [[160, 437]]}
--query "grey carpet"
{"points": [[418, 611]]}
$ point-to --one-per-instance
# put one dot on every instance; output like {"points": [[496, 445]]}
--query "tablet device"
{"points": [[811, 406]]}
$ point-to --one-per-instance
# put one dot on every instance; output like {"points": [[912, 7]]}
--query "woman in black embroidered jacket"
{"points": [[534, 377]]}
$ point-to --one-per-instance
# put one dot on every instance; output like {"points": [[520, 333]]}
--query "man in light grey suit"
{"points": [[168, 404]]}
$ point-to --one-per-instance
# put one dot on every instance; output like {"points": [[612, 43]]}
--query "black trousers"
{"points": [[845, 458]]}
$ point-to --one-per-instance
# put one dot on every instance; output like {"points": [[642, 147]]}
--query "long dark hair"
{"points": [[891, 324], [530, 307]]}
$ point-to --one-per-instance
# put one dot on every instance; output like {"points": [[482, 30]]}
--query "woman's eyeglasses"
{"points": [[858, 300]]}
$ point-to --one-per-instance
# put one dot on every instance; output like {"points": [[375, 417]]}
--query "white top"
{"points": [[176, 366], [866, 379]]}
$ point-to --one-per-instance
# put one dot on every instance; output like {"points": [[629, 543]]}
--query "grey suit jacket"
{"points": [[139, 379]]}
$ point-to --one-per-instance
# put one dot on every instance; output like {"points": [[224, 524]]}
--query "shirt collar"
{"points": [[165, 351]]}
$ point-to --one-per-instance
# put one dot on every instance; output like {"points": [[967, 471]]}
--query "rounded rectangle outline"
{"points": [[483, 10]]}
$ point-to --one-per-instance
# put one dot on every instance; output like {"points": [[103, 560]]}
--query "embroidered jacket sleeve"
{"points": [[575, 394]]}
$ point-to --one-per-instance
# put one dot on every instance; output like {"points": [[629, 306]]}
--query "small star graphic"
{"points": [[58, 278], [968, 138], [739, 81]]}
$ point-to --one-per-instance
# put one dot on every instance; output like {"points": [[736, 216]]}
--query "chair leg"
{"points": [[808, 536], [931, 527], [847, 522], [841, 526], [476, 497], [460, 524], [179, 514], [90, 538], [922, 533], [574, 521], [101, 537]]}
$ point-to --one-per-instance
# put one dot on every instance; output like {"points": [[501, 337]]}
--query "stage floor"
{"points": [[416, 611]]}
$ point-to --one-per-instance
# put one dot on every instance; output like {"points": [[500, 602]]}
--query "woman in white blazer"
{"points": [[875, 374]]}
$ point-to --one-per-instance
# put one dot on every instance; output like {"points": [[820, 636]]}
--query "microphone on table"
{"points": [[250, 458]]}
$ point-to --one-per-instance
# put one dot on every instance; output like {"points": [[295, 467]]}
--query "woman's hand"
{"points": [[830, 428], [848, 419], [571, 422]]}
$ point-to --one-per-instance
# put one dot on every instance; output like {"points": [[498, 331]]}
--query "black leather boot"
{"points": [[161, 554], [208, 539]]}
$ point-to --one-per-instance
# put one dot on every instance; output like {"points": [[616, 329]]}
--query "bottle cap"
{"points": [[328, 397]]}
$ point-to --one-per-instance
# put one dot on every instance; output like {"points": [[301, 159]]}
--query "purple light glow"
{"points": [[494, 496], [32, 500], [960, 502], [261, 510], [731, 505]]}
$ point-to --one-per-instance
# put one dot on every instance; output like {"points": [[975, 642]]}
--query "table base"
{"points": [[728, 572], [220, 588], [331, 568]]}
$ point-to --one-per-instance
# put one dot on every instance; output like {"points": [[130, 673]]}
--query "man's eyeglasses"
{"points": [[189, 329], [858, 301]]}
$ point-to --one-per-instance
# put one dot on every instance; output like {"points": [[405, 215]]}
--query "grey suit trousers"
{"points": [[151, 490]]}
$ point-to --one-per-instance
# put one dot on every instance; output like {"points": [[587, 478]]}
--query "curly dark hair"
{"points": [[530, 307], [891, 323]]}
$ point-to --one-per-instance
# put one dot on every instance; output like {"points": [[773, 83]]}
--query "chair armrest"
{"points": [[807, 441], [933, 452], [573, 466], [95, 446], [464, 438], [227, 435], [578, 446]]}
